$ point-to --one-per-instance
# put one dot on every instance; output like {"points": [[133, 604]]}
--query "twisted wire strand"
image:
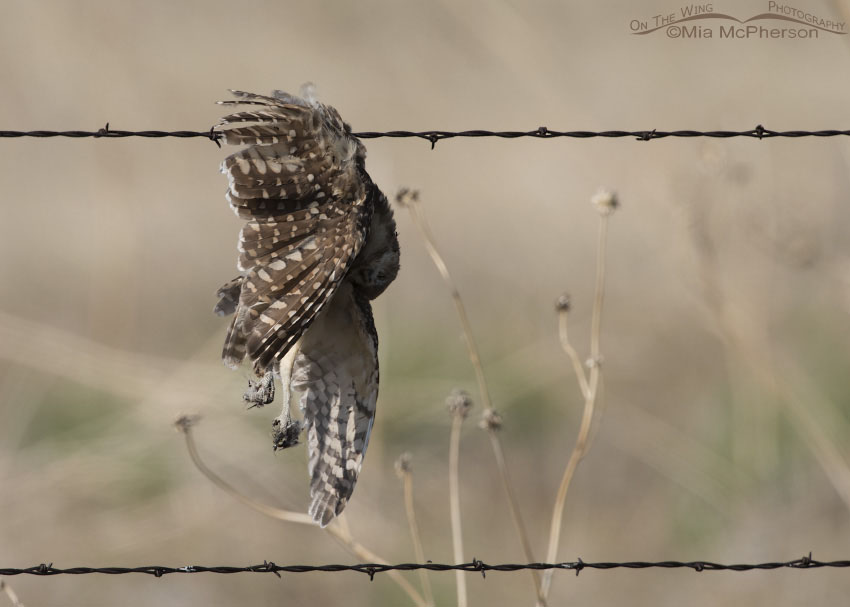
{"points": [[759, 132], [370, 569]]}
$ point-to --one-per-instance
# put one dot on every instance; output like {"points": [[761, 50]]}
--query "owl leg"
{"points": [[286, 430], [261, 391]]}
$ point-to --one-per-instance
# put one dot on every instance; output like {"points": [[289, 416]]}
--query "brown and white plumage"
{"points": [[319, 243]]}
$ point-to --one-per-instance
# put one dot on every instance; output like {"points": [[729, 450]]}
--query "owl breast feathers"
{"points": [[319, 243]]}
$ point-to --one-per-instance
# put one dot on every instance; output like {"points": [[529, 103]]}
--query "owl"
{"points": [[319, 243]]}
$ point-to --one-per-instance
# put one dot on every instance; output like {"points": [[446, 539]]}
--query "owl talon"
{"points": [[286, 432], [260, 392]]}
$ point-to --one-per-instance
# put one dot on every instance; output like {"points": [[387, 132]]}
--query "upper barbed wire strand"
{"points": [[759, 132]]}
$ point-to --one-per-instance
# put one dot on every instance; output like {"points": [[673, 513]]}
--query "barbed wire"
{"points": [[370, 569], [759, 132], [107, 132]]}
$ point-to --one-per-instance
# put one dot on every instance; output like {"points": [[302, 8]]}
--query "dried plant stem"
{"points": [[184, 424], [454, 506], [457, 420], [599, 298], [499, 455], [589, 390], [13, 597], [471, 346], [337, 530], [407, 481], [578, 368]]}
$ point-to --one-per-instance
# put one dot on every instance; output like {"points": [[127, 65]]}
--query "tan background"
{"points": [[725, 332]]}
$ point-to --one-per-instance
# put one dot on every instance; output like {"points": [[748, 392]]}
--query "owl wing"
{"points": [[336, 370], [302, 189]]}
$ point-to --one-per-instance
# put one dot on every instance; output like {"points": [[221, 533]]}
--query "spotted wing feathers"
{"points": [[301, 186]]}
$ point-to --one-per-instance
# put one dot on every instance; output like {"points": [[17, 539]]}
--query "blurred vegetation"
{"points": [[723, 428]]}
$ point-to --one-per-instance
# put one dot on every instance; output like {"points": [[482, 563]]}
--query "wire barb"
{"points": [[480, 567]]}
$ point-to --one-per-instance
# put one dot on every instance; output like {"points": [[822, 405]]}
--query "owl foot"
{"points": [[260, 392], [286, 432]]}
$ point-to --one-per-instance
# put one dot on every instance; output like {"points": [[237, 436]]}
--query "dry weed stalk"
{"points": [[491, 421], [410, 199], [13, 597], [606, 203], [405, 473], [458, 403], [338, 529]]}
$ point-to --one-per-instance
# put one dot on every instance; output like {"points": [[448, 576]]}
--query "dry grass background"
{"points": [[725, 330]]}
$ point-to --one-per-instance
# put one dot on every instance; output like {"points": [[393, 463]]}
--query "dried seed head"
{"points": [[459, 402], [562, 304], [185, 422], [590, 363], [490, 420], [402, 464], [605, 201], [406, 197]]}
